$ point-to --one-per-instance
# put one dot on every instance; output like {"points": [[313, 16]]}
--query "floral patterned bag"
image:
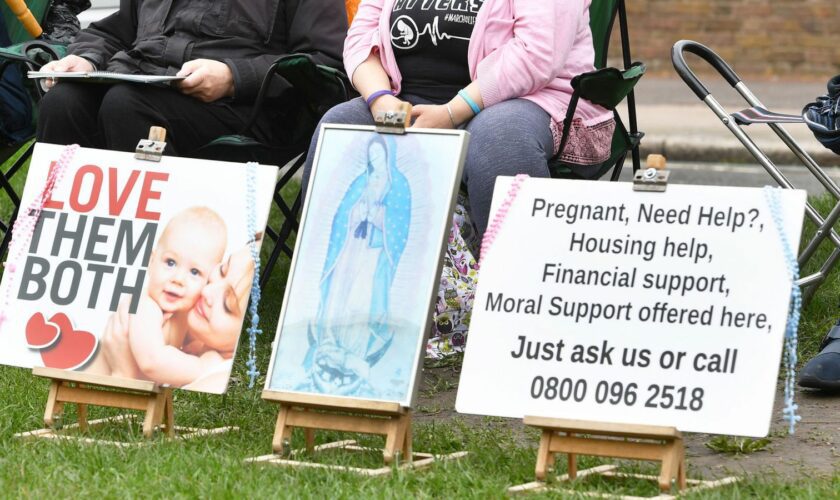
{"points": [[457, 286]]}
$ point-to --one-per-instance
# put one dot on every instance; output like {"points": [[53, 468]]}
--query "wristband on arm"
{"points": [[451, 117], [376, 95], [466, 97]]}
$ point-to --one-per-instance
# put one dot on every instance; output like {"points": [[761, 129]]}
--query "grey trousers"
{"points": [[509, 138]]}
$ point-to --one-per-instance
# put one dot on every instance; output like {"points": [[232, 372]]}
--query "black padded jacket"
{"points": [[158, 36]]}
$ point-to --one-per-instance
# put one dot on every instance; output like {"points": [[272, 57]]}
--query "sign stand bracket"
{"points": [[84, 389], [314, 412], [637, 442]]}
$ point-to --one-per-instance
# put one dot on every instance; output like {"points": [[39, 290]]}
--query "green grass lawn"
{"points": [[213, 467]]}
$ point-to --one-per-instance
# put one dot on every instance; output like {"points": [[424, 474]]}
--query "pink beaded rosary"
{"points": [[496, 226], [24, 225]]}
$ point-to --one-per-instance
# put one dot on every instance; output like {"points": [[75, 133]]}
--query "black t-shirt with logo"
{"points": [[430, 40]]}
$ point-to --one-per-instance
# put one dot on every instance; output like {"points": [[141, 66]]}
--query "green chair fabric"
{"points": [[607, 87], [601, 18]]}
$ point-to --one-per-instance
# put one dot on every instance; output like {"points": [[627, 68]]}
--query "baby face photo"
{"points": [[358, 299], [186, 327]]}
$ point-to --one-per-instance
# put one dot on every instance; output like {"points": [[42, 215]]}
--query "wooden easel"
{"points": [[313, 412], [83, 389], [637, 442]]}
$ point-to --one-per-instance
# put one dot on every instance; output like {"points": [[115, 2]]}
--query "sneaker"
{"points": [[823, 116], [823, 371], [823, 119]]}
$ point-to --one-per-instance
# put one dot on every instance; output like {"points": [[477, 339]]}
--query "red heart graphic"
{"points": [[73, 349], [41, 333]]}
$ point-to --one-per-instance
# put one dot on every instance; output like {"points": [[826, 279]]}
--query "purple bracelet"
{"points": [[376, 95]]}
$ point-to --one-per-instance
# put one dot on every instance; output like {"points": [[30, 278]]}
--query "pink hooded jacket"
{"points": [[519, 48]]}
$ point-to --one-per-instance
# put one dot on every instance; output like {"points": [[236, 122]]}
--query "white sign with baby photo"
{"points": [[135, 269]]}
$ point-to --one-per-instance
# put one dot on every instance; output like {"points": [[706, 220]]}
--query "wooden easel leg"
{"points": [[168, 418], [571, 462], [309, 437], [392, 440], [54, 407], [154, 407], [309, 434], [681, 480], [669, 460], [407, 452], [82, 413], [282, 432], [543, 454]]}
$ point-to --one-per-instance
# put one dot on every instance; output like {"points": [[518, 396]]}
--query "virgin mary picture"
{"points": [[368, 235], [353, 319]]}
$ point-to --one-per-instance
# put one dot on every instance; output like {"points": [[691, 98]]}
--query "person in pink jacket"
{"points": [[501, 69]]}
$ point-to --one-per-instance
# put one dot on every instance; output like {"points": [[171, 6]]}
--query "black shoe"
{"points": [[823, 371], [823, 116]]}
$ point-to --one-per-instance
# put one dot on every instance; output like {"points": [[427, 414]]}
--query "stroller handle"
{"points": [[707, 55]]}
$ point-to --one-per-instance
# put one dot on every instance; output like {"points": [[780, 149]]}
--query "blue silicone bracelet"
{"points": [[466, 97]]}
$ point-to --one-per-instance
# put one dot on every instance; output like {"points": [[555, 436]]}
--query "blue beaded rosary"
{"points": [[791, 337], [253, 328]]}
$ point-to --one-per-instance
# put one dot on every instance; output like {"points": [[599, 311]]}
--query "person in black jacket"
{"points": [[222, 47]]}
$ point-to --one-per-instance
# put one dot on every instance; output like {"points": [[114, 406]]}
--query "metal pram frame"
{"points": [[758, 113]]}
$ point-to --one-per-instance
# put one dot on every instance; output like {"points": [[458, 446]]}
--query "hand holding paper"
{"points": [[206, 80], [63, 65]]}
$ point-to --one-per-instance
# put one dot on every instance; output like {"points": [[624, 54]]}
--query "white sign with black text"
{"points": [[599, 303]]}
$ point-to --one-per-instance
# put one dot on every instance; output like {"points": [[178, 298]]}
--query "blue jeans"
{"points": [[509, 138]]}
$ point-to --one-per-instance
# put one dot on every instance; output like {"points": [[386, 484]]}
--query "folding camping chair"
{"points": [[757, 113], [606, 87], [24, 53], [319, 88]]}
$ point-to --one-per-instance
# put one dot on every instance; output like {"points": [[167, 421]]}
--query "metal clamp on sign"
{"points": [[654, 177], [393, 122], [152, 148]]}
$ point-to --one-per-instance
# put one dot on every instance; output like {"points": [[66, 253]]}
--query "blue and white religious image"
{"points": [[355, 315]]}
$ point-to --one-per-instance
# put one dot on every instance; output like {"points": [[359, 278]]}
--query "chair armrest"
{"points": [[34, 53], [609, 86], [319, 87]]}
